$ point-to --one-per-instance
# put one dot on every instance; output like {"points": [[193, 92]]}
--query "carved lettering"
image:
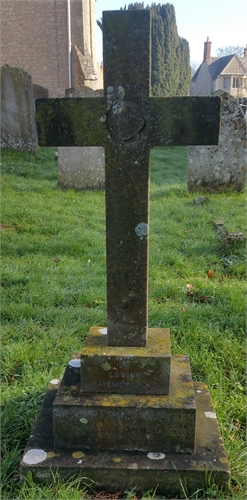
{"points": [[113, 384], [116, 374], [143, 430]]}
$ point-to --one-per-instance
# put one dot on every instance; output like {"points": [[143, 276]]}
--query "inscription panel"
{"points": [[163, 423], [106, 369], [142, 429]]}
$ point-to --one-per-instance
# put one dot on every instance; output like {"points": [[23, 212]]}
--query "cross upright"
{"points": [[127, 122]]}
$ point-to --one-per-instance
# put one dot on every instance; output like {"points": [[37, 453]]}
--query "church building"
{"points": [[52, 40]]}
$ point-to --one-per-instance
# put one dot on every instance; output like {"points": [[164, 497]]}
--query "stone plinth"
{"points": [[171, 474], [132, 370], [215, 169]]}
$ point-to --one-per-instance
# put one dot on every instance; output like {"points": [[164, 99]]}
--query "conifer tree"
{"points": [[170, 53], [185, 70]]}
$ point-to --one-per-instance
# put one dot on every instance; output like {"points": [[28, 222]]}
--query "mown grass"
{"points": [[54, 289]]}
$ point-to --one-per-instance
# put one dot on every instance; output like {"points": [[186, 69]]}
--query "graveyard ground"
{"points": [[53, 290]]}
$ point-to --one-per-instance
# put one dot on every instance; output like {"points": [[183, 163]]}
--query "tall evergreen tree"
{"points": [[185, 69], [170, 53]]}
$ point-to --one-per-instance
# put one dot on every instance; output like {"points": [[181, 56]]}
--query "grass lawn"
{"points": [[54, 289]]}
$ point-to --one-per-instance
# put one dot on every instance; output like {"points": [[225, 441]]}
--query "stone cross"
{"points": [[127, 122]]}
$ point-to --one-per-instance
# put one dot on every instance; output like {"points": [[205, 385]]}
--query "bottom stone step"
{"points": [[114, 471]]}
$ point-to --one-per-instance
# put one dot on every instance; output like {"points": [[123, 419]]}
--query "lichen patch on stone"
{"points": [[156, 456], [78, 454], [84, 420], [210, 414], [103, 331], [34, 456], [106, 366], [75, 363], [55, 381], [141, 229]]}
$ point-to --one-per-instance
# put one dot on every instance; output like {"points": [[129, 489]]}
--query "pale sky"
{"points": [[223, 21]]}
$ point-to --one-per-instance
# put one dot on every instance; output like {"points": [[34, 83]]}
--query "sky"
{"points": [[223, 21]]}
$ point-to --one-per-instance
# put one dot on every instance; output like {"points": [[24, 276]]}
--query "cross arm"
{"points": [[71, 122], [183, 121]]}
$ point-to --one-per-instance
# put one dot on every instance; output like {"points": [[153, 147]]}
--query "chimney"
{"points": [[207, 50], [245, 51]]}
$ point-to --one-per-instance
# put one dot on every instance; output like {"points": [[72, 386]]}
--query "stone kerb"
{"points": [[221, 168], [18, 128], [81, 168]]}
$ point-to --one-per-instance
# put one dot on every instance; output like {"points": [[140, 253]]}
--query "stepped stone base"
{"points": [[113, 470], [127, 421]]}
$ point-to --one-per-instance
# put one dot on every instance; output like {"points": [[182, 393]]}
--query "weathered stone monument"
{"points": [[18, 129], [127, 413], [81, 168], [220, 168]]}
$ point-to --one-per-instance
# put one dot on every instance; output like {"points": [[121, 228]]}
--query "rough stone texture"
{"points": [[137, 429], [221, 168], [132, 370], [127, 122], [116, 470], [81, 168], [129, 422], [18, 129]]}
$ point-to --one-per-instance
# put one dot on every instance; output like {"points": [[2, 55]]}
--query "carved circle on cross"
{"points": [[123, 119]]}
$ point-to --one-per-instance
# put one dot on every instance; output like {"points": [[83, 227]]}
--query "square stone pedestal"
{"points": [[170, 473], [130, 370]]}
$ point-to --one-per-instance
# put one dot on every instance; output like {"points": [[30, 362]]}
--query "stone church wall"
{"points": [[34, 37]]}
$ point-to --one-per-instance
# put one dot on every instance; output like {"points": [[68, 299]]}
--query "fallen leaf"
{"points": [[210, 274], [237, 422], [204, 299]]}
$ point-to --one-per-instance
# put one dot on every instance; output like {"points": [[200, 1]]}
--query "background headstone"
{"points": [[82, 167], [18, 128], [221, 168], [40, 92]]}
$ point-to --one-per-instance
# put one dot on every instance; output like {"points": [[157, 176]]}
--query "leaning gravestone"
{"points": [[84, 167], [127, 413], [18, 128], [215, 169]]}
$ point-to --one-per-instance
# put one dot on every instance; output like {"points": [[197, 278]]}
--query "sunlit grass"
{"points": [[54, 289]]}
